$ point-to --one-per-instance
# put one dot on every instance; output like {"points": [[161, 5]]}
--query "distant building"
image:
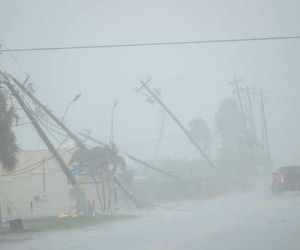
{"points": [[37, 187]]}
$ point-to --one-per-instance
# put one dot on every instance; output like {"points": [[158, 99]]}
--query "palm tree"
{"points": [[8, 145], [99, 158]]}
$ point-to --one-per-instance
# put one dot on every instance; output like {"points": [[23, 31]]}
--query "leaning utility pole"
{"points": [[237, 91], [264, 128], [79, 143], [40, 131], [185, 131], [251, 116], [139, 161], [160, 135]]}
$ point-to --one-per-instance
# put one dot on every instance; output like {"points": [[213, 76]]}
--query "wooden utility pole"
{"points": [[79, 143], [160, 134], [264, 127], [181, 126], [39, 130], [139, 161], [252, 119], [113, 189], [44, 175], [237, 91], [0, 216]]}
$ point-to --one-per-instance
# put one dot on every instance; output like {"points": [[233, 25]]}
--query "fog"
{"points": [[194, 81]]}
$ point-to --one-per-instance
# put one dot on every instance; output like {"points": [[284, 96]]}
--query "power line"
{"points": [[149, 142], [13, 58], [27, 169], [36, 164], [53, 127], [168, 43], [144, 85], [50, 130]]}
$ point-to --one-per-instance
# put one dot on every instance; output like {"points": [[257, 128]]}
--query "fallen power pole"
{"points": [[40, 131], [181, 126], [78, 141], [82, 146]]}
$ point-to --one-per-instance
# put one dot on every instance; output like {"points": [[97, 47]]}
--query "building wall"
{"points": [[19, 188], [19, 194]]}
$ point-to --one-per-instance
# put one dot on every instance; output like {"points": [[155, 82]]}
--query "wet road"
{"points": [[254, 220]]}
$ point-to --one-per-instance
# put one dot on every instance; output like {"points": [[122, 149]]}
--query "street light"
{"points": [[113, 147], [112, 121], [68, 106]]}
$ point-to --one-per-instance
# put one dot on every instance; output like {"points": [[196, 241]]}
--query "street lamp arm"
{"points": [[68, 106]]}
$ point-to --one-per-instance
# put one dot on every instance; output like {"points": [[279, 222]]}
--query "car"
{"points": [[286, 178]]}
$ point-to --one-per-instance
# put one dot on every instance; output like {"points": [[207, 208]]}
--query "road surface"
{"points": [[255, 220]]}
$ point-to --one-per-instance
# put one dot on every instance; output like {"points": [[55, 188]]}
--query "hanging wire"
{"points": [[14, 59], [36, 165], [56, 129]]}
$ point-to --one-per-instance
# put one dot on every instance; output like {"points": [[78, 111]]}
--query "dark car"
{"points": [[286, 179]]}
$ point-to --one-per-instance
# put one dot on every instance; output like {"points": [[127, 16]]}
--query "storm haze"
{"points": [[193, 79]]}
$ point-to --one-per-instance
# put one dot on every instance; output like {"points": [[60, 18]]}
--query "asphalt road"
{"points": [[255, 220]]}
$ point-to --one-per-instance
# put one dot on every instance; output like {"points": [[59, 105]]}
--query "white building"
{"points": [[36, 187]]}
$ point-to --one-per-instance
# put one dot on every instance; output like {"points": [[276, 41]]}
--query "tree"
{"points": [[200, 132], [8, 145], [230, 124], [236, 152], [99, 158]]}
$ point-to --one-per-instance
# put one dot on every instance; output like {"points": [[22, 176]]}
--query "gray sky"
{"points": [[193, 78]]}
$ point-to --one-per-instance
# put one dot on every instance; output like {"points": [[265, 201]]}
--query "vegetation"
{"points": [[99, 158], [239, 149], [201, 133], [8, 145], [230, 124]]}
